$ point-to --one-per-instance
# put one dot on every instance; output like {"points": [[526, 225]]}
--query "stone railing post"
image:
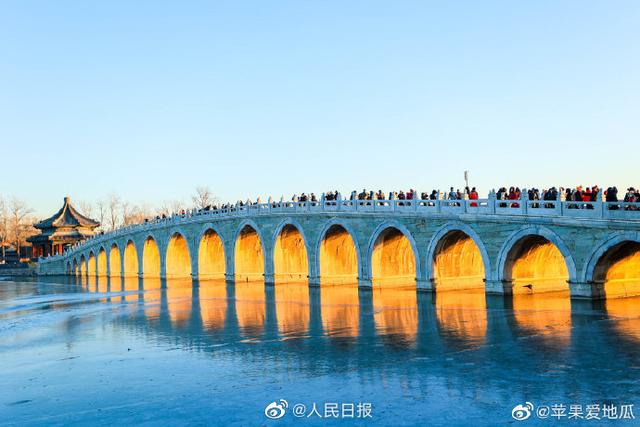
{"points": [[524, 201], [600, 207], [492, 201], [558, 204]]}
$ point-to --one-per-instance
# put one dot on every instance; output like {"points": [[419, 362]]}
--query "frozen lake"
{"points": [[218, 354]]}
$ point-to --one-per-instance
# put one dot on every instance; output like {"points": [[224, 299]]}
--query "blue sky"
{"points": [[150, 99]]}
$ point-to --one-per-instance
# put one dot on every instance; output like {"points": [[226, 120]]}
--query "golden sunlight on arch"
{"points": [[76, 269], [249, 257], [534, 264], [83, 267], [130, 260], [619, 270], [338, 257], [457, 262], [290, 256], [102, 263], [211, 260], [91, 265], [393, 261], [178, 261], [150, 259], [114, 261]]}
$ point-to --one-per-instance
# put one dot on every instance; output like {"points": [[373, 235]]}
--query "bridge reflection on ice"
{"points": [[547, 315], [160, 340], [342, 313]]}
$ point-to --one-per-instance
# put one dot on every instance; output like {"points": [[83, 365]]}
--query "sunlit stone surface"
{"points": [[338, 257], [619, 269], [115, 262], [249, 257], [393, 261], [536, 265], [211, 263], [290, 256], [130, 260], [151, 259], [458, 263], [178, 259]]}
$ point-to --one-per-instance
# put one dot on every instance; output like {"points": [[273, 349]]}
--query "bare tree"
{"points": [[134, 214], [4, 227], [171, 207], [102, 212], [85, 208], [203, 198], [19, 212], [126, 210], [113, 208]]}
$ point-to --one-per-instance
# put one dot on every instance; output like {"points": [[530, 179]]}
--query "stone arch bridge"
{"points": [[522, 246]]}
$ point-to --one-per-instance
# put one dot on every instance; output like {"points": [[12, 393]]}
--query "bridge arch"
{"points": [[177, 257], [457, 257], [290, 252], [68, 268], [101, 262], [211, 253], [536, 253], [393, 255], [130, 261], [76, 269], [150, 257], [115, 261], [249, 252], [83, 266], [615, 262], [338, 257], [91, 265]]}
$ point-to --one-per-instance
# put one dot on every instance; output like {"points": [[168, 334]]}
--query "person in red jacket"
{"points": [[473, 195]]}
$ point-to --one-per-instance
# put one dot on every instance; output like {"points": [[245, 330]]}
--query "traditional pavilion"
{"points": [[64, 228]]}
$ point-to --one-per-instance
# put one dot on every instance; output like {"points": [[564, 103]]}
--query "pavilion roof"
{"points": [[67, 216]]}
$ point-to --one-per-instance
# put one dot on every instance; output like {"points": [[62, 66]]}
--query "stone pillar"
{"points": [[314, 281], [582, 290], [498, 287], [108, 259], [229, 261], [194, 268], [122, 275], [425, 285], [364, 283], [269, 278]]}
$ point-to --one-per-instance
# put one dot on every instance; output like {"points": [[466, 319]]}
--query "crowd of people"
{"points": [[584, 198]]}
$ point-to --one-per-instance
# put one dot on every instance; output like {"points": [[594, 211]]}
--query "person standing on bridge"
{"points": [[473, 195]]}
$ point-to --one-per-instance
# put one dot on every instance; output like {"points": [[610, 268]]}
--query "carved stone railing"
{"points": [[598, 210]]}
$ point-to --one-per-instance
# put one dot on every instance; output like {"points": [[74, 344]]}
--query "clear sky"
{"points": [[150, 99]]}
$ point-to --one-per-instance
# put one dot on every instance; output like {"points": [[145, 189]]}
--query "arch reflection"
{"points": [[547, 315], [292, 308], [250, 308], [396, 315], [340, 310], [213, 304], [462, 316]]}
